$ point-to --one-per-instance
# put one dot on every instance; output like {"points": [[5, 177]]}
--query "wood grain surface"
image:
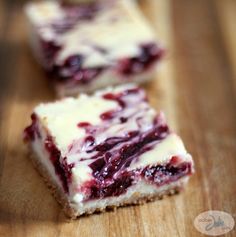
{"points": [[195, 87]]}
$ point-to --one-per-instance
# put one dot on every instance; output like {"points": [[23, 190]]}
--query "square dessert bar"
{"points": [[75, 1], [93, 45], [106, 150]]}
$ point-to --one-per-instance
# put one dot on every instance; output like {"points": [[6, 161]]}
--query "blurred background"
{"points": [[195, 87]]}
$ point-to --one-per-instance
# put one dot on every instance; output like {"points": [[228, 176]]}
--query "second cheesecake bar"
{"points": [[90, 46]]}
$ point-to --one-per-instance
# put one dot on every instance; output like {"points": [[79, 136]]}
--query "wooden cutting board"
{"points": [[195, 87]]}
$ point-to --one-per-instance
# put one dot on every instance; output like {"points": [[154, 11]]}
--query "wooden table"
{"points": [[196, 88]]}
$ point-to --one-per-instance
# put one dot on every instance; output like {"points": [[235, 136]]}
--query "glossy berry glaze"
{"points": [[157, 175], [111, 157], [164, 174]]}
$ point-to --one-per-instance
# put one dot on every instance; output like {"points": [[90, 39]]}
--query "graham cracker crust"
{"points": [[72, 213]]}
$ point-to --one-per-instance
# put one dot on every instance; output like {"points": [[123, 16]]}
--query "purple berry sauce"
{"points": [[150, 53], [62, 169]]}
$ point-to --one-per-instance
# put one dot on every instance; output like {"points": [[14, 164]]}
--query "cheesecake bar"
{"points": [[89, 46], [76, 1], [106, 150], [82, 1]]}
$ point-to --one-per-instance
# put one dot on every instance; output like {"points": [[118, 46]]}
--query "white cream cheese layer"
{"points": [[172, 145], [61, 118]]}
